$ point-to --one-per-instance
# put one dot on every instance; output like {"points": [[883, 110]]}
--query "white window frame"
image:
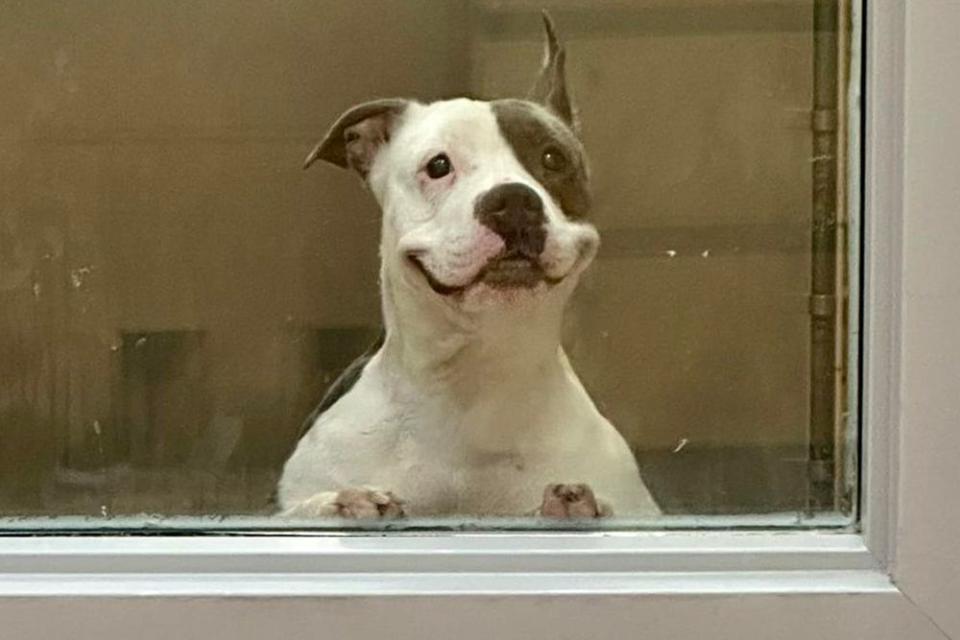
{"points": [[898, 579]]}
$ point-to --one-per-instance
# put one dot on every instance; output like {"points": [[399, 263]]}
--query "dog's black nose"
{"points": [[514, 211]]}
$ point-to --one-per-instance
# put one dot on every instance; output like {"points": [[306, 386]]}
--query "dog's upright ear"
{"points": [[355, 138], [550, 89]]}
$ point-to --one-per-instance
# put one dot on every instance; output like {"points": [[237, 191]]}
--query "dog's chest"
{"points": [[489, 453], [472, 481], [439, 468], [475, 481]]}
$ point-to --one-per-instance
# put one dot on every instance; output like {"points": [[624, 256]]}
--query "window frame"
{"points": [[898, 576]]}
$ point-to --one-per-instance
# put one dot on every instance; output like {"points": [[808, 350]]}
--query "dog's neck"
{"points": [[431, 344]]}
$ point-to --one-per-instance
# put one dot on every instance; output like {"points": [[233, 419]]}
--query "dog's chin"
{"points": [[510, 275]]}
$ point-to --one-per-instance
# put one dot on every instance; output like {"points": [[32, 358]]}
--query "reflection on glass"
{"points": [[176, 294]]}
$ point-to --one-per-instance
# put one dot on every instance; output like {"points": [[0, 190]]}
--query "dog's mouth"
{"points": [[507, 271]]}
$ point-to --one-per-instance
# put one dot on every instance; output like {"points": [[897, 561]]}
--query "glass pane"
{"points": [[177, 295]]}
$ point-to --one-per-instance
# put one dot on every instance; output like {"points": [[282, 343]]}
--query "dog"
{"points": [[468, 405]]}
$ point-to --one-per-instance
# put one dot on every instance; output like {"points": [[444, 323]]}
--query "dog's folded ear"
{"points": [[357, 135], [550, 89]]}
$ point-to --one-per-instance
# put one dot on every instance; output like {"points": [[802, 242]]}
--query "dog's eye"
{"points": [[553, 159], [439, 166]]}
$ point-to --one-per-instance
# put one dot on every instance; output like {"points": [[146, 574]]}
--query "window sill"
{"points": [[461, 564]]}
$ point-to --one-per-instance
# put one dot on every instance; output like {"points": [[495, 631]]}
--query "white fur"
{"points": [[471, 406]]}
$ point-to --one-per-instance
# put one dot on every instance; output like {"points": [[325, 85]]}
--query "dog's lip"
{"points": [[509, 261], [436, 285]]}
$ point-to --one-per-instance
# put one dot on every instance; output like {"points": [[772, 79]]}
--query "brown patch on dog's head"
{"points": [[533, 133]]}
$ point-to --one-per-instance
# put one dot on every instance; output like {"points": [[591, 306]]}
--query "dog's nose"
{"points": [[514, 211]]}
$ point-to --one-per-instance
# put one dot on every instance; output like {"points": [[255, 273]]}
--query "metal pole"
{"points": [[823, 299]]}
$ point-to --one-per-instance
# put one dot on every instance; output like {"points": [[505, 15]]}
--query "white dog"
{"points": [[468, 405]]}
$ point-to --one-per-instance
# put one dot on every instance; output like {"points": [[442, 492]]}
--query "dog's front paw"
{"points": [[572, 501], [362, 504]]}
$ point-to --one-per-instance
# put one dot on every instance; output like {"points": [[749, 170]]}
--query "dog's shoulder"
{"points": [[342, 385]]}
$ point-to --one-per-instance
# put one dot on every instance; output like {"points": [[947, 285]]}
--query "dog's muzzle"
{"points": [[514, 212]]}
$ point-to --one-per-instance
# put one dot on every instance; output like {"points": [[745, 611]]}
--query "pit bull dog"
{"points": [[468, 404]]}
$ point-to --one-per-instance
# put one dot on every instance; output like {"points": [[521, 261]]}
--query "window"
{"points": [[896, 577], [177, 294]]}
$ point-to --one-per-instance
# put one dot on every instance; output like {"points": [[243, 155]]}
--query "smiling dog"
{"points": [[468, 404]]}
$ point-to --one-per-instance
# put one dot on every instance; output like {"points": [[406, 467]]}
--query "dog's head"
{"points": [[484, 203]]}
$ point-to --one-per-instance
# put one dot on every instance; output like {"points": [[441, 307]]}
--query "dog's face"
{"points": [[485, 203]]}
